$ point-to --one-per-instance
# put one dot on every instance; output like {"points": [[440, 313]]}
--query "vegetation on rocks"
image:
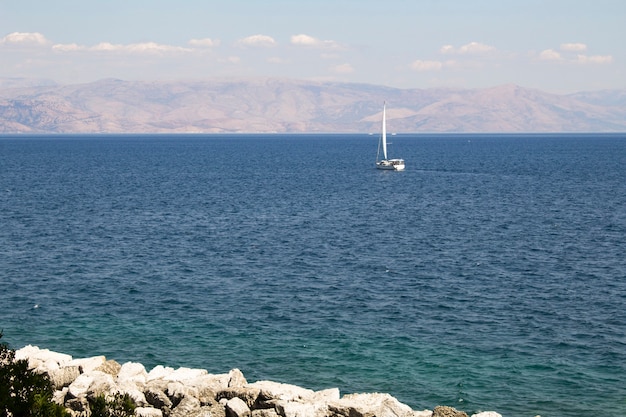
{"points": [[24, 393], [119, 406]]}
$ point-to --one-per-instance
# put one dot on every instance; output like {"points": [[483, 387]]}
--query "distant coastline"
{"points": [[270, 105]]}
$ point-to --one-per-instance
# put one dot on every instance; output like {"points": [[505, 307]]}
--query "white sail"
{"points": [[396, 164], [384, 132]]}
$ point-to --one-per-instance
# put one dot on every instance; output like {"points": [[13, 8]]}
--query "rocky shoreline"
{"points": [[168, 392]]}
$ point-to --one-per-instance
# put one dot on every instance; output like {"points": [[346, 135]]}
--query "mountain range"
{"points": [[285, 105]]}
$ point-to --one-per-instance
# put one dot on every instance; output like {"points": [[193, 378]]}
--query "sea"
{"points": [[489, 275]]}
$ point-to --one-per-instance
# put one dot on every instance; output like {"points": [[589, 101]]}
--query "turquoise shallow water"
{"points": [[490, 275]]}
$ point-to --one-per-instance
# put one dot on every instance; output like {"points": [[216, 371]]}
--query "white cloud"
{"points": [[133, 48], [420, 65], [573, 47], [305, 40], [447, 49], [567, 55], [343, 69], [550, 55], [25, 38], [68, 47], [204, 43], [476, 48], [153, 47], [106, 47], [472, 48], [257, 41], [310, 41], [596, 59]]}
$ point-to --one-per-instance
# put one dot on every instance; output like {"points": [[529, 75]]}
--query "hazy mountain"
{"points": [[282, 105]]}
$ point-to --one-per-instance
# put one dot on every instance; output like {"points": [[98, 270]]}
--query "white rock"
{"points": [[184, 374], [159, 372], [327, 395], [298, 409], [380, 405], [96, 382], [218, 382], [188, 406], [176, 391], [64, 376], [487, 414], [155, 395], [236, 407], [26, 352], [148, 412], [59, 396], [87, 365], [281, 391], [80, 385], [38, 356], [214, 383], [265, 412], [133, 391], [236, 379], [132, 372], [103, 383]]}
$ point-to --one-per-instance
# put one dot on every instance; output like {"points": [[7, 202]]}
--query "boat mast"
{"points": [[384, 131]]}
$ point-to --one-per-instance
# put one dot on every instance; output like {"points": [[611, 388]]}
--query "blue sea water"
{"points": [[490, 275]]}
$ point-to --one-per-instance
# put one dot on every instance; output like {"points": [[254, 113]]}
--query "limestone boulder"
{"points": [[445, 411], [249, 395], [93, 384], [63, 376], [325, 396], [110, 367], [236, 379], [132, 373], [134, 391], [176, 391], [155, 394], [42, 360], [184, 374], [86, 365], [59, 396], [148, 412], [270, 390], [188, 406], [265, 412], [236, 407], [79, 387], [301, 409], [365, 405], [103, 384], [44, 355], [159, 372]]}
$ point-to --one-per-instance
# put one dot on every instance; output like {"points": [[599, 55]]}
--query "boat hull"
{"points": [[391, 164]]}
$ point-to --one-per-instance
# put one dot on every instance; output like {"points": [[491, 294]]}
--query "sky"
{"points": [[560, 46]]}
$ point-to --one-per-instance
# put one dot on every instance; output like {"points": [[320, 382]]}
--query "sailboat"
{"points": [[390, 164]]}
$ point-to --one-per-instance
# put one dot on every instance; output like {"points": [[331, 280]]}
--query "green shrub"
{"points": [[24, 393], [119, 406]]}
